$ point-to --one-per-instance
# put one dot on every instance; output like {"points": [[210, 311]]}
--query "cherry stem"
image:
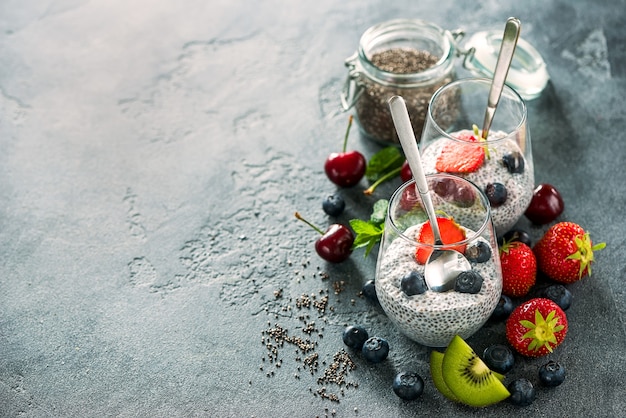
{"points": [[388, 176], [298, 216], [345, 138]]}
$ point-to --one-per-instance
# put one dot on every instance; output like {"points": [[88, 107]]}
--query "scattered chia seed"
{"points": [[276, 337], [339, 286], [337, 371]]}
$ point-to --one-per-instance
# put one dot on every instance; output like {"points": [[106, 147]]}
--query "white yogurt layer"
{"points": [[433, 318], [519, 186]]}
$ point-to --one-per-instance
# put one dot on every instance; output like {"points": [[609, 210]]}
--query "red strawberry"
{"points": [[519, 268], [536, 327], [457, 157], [565, 252], [450, 231]]}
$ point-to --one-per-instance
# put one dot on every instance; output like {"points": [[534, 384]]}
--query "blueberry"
{"points": [[514, 162], [517, 235], [522, 392], [369, 291], [469, 281], [499, 358], [354, 336], [559, 295], [408, 385], [478, 252], [496, 193], [375, 349], [552, 374], [503, 308], [333, 205], [413, 284]]}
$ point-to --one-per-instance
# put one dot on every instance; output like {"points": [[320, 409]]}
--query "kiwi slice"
{"points": [[469, 378], [436, 372]]}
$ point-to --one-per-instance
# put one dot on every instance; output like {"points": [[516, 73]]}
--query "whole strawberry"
{"points": [[536, 327], [519, 268], [565, 252]]}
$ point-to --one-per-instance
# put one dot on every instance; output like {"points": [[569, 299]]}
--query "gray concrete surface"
{"points": [[152, 156]]}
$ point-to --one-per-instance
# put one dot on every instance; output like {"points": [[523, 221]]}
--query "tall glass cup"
{"points": [[428, 317], [501, 166]]}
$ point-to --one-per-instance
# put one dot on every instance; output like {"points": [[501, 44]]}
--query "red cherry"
{"points": [[345, 168], [410, 198], [405, 172], [545, 206], [335, 245]]}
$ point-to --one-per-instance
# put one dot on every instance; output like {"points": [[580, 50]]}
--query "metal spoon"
{"points": [[443, 266], [505, 57]]}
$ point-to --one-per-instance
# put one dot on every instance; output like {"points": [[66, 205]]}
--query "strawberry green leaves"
{"points": [[370, 232], [542, 331], [584, 254]]}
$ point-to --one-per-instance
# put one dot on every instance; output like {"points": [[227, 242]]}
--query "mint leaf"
{"points": [[369, 233], [379, 212], [382, 162], [365, 231]]}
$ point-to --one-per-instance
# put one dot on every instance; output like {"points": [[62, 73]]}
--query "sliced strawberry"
{"points": [[450, 231], [458, 157]]}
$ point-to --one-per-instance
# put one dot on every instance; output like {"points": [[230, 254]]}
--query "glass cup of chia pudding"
{"points": [[501, 165], [434, 317]]}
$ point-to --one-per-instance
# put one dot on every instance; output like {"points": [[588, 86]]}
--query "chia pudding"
{"points": [[434, 318], [519, 185]]}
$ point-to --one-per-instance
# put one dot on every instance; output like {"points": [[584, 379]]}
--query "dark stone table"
{"points": [[153, 155]]}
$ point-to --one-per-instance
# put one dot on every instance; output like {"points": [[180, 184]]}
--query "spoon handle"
{"points": [[402, 123], [505, 57]]}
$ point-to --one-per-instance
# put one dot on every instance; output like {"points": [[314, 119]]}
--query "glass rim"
{"points": [[479, 81], [397, 194]]}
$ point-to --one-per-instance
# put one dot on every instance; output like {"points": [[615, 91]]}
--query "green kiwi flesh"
{"points": [[436, 372], [469, 378]]}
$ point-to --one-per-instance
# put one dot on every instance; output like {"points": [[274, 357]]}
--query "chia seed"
{"points": [[403, 60], [372, 110], [276, 337]]}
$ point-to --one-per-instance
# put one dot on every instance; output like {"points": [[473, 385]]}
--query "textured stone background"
{"points": [[152, 156]]}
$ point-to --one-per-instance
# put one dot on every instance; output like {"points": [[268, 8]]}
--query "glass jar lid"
{"points": [[528, 74]]}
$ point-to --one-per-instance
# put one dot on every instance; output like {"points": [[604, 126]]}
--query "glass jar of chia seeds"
{"points": [[411, 58]]}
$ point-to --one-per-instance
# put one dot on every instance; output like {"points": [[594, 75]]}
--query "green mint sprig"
{"points": [[481, 139], [370, 232]]}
